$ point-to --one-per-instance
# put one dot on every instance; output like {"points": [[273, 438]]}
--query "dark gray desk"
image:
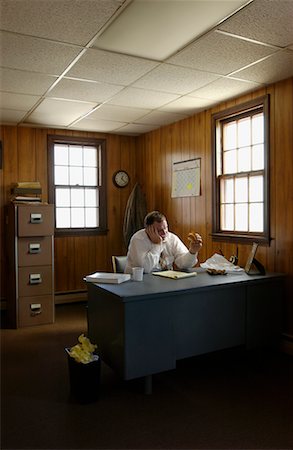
{"points": [[142, 328]]}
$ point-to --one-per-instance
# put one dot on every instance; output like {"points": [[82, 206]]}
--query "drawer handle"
{"points": [[34, 248], [36, 218], [36, 309], [35, 278]]}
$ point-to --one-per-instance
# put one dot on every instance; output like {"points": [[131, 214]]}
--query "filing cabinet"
{"points": [[30, 231]]}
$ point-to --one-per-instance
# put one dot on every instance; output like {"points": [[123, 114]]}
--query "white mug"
{"points": [[137, 273]]}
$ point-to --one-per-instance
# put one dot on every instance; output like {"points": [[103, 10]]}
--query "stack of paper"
{"points": [[106, 277]]}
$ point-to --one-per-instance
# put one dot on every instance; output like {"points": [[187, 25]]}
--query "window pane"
{"points": [[230, 135], [61, 175], [76, 176], [227, 217], [256, 189], [90, 156], [256, 223], [77, 218], [61, 155], [75, 155], [91, 197], [77, 197], [62, 217], [90, 176], [257, 129], [91, 217], [244, 132], [244, 159], [258, 157], [230, 165], [227, 189], [241, 217], [62, 197], [241, 190]]}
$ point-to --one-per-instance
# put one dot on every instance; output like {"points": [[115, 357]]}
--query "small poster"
{"points": [[186, 178]]}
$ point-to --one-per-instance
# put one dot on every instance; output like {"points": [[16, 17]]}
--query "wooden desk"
{"points": [[142, 328]]}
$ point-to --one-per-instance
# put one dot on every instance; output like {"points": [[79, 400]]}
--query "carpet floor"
{"points": [[225, 400]]}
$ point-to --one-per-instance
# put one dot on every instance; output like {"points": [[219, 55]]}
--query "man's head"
{"points": [[159, 222]]}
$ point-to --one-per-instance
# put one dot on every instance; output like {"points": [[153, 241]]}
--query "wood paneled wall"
{"points": [[191, 138], [148, 159], [25, 159]]}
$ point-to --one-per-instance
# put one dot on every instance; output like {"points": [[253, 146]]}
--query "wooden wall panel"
{"points": [[25, 159]]}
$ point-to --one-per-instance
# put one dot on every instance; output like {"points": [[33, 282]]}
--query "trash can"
{"points": [[84, 379]]}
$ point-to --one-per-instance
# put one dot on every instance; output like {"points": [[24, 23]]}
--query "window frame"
{"points": [[237, 112], [75, 140]]}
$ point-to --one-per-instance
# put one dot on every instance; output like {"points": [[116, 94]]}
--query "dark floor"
{"points": [[226, 400]]}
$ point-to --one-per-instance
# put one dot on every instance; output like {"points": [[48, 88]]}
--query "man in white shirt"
{"points": [[155, 248]]}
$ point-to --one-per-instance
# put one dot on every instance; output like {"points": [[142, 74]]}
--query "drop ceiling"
{"points": [[129, 67]]}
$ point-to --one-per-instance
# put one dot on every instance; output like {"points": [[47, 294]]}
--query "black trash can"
{"points": [[84, 379]]}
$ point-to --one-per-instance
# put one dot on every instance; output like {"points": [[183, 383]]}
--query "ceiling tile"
{"points": [[160, 118], [265, 21], [9, 116], [108, 67], [72, 21], [36, 55], [20, 102], [97, 125], [20, 81], [188, 105], [136, 129], [84, 90], [119, 113], [277, 67], [141, 98], [220, 54], [55, 112], [162, 27], [225, 88], [178, 80]]}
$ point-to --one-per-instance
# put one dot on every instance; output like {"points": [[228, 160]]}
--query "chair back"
{"points": [[119, 263]]}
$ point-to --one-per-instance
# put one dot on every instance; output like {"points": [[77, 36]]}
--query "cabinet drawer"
{"points": [[35, 310], [35, 251], [36, 280], [35, 220]]}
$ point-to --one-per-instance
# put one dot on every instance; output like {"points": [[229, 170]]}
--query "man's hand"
{"points": [[195, 242], [153, 234]]}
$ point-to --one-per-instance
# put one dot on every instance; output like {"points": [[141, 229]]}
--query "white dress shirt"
{"points": [[142, 252]]}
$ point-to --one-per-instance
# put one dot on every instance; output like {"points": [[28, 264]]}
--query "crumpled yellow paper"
{"points": [[83, 352]]}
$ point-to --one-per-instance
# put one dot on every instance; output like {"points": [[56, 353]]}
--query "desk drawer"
{"points": [[35, 310], [35, 280], [35, 251], [35, 220]]}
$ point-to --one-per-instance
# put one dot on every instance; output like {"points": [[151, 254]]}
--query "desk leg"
{"points": [[148, 384]]}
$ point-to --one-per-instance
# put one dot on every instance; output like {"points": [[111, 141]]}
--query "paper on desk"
{"points": [[106, 277], [174, 274], [219, 262]]}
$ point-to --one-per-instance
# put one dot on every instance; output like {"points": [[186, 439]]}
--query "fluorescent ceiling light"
{"points": [[157, 29]]}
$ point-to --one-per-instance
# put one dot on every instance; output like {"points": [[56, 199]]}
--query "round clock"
{"points": [[121, 178]]}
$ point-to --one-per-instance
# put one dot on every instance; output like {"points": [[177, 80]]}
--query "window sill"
{"points": [[240, 238]]}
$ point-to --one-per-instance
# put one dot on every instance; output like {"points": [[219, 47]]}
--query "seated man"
{"points": [[155, 248]]}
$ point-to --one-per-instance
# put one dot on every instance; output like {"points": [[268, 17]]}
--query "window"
{"points": [[241, 173], [77, 185]]}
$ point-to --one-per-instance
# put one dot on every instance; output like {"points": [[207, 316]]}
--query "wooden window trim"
{"points": [[75, 140], [229, 115]]}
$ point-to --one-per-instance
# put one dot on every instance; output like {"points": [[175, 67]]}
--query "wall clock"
{"points": [[121, 178]]}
